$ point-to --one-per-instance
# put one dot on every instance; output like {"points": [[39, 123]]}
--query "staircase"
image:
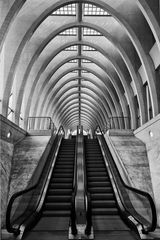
{"points": [[106, 220], [58, 198]]}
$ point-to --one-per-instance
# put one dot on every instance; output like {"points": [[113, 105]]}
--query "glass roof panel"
{"points": [[73, 61], [86, 61], [90, 32], [71, 48], [69, 32], [85, 71], [87, 48], [92, 10], [69, 10]]}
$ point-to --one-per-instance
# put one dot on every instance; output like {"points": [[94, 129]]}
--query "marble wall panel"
{"points": [[26, 157], [133, 153], [6, 153], [149, 133]]}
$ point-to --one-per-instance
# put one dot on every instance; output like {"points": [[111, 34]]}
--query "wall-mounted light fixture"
{"points": [[9, 134], [150, 133]]}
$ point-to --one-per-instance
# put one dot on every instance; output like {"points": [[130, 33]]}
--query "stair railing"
{"points": [[24, 206], [126, 195]]}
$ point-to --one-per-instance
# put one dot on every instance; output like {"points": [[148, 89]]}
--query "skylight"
{"points": [[90, 32], [86, 61], [72, 48], [69, 10], [92, 10], [73, 61], [87, 48], [69, 32]]}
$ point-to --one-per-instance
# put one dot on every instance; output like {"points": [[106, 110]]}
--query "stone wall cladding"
{"points": [[149, 133], [16, 133], [6, 153], [133, 153], [26, 157]]}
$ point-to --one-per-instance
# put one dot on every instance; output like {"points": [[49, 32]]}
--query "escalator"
{"points": [[106, 219], [54, 217], [56, 211], [50, 208]]}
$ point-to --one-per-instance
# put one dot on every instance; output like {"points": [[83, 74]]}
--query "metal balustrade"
{"points": [[40, 123]]}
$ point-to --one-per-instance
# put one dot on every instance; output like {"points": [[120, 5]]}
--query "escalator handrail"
{"points": [[73, 212], [88, 198], [19, 193], [153, 225]]}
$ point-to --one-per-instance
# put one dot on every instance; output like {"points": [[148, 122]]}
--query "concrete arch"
{"points": [[91, 96], [89, 99], [86, 108], [74, 122], [102, 97], [90, 106], [89, 114], [15, 8], [42, 106], [149, 72], [120, 74], [110, 38], [150, 18], [108, 99], [120, 96], [88, 79], [84, 116]]}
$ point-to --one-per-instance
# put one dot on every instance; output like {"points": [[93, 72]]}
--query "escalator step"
{"points": [[57, 206], [102, 196], [96, 174], [95, 162], [104, 211], [56, 213], [94, 169], [104, 204], [101, 190], [63, 185], [59, 198], [95, 165], [60, 163], [60, 170], [53, 192], [63, 167], [98, 179], [99, 184], [61, 180], [65, 157], [94, 158], [61, 175]]}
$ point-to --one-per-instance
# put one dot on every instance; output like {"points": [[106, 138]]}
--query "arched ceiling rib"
{"points": [[57, 91], [111, 81], [87, 99], [126, 59]]}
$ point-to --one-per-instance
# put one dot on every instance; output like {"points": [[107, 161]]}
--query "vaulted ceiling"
{"points": [[80, 62]]}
